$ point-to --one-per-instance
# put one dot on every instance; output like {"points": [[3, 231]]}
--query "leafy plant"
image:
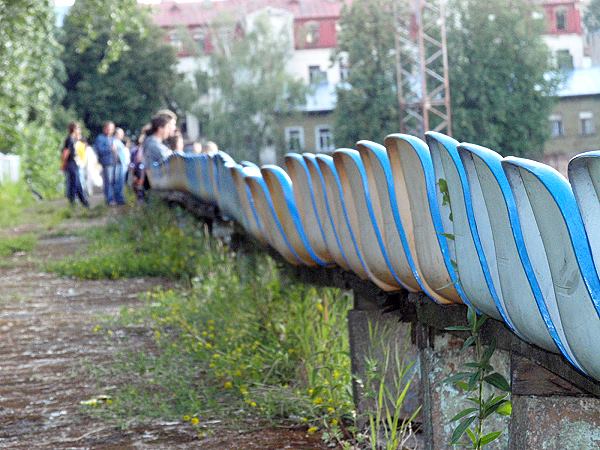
{"points": [[477, 378], [387, 381]]}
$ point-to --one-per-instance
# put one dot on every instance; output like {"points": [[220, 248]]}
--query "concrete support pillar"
{"points": [[549, 412]]}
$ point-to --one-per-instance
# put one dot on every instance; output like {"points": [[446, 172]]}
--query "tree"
{"points": [[125, 19], [500, 90], [367, 105], [29, 58], [591, 17], [135, 83], [29, 67], [249, 87]]}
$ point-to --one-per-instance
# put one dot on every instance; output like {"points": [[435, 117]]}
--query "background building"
{"points": [[312, 25]]}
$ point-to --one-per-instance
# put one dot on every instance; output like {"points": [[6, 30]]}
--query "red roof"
{"points": [[168, 14]]}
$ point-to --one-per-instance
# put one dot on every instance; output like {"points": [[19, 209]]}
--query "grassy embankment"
{"points": [[239, 342]]}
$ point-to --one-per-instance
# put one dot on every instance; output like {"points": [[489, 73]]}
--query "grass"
{"points": [[246, 344], [148, 241], [14, 199], [17, 244], [242, 343]]}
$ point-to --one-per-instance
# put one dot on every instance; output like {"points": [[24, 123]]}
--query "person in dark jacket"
{"points": [[106, 151], [74, 187]]}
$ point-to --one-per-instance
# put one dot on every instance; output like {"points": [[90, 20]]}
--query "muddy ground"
{"points": [[46, 342]]}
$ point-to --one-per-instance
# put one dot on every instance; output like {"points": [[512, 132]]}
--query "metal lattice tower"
{"points": [[422, 66]]}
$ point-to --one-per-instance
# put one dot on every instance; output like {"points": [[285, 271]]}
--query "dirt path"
{"points": [[47, 337]]}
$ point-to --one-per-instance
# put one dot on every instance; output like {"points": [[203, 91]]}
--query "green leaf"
{"points": [[480, 321], [462, 385], [468, 342], [489, 351], [457, 377], [498, 381], [473, 380], [475, 365], [471, 317], [448, 236], [463, 413], [458, 328], [472, 437], [474, 400], [460, 429], [492, 406], [486, 439], [505, 409]]}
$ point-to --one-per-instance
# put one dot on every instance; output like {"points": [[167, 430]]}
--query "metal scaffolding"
{"points": [[422, 66]]}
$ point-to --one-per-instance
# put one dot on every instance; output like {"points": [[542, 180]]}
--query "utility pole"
{"points": [[422, 66]]}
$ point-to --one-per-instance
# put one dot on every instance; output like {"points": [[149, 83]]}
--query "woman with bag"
{"points": [[70, 168]]}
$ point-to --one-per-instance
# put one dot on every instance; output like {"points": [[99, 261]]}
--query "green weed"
{"points": [[245, 342], [144, 242], [22, 243]]}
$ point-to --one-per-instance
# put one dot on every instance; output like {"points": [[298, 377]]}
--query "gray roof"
{"points": [[581, 82]]}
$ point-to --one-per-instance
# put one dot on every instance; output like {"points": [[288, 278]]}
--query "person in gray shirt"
{"points": [[162, 126]]}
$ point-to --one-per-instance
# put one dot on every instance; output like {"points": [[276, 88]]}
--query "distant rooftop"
{"points": [[581, 82], [172, 14]]}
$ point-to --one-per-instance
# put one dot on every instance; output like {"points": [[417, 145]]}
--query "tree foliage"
{"points": [[500, 92], [124, 17], [367, 105], [28, 61], [591, 17], [248, 87], [124, 81], [29, 69]]}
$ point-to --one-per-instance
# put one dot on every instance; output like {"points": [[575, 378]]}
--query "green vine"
{"points": [[487, 390]]}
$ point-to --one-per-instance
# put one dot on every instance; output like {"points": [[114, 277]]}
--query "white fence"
{"points": [[10, 168]]}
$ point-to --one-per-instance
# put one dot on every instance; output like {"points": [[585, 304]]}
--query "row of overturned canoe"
{"points": [[510, 236]]}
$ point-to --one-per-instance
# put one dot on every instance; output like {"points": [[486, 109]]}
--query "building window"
{"points": [[175, 40], [311, 33], [316, 75], [561, 20], [564, 59], [556, 126], [294, 139], [344, 71], [199, 38], [586, 123], [324, 139]]}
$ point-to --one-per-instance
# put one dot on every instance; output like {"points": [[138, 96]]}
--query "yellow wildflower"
{"points": [[330, 410], [195, 421], [318, 401], [334, 422], [228, 385], [312, 430], [186, 418]]}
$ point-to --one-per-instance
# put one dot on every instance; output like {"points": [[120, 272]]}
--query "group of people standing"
{"points": [[119, 160]]}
